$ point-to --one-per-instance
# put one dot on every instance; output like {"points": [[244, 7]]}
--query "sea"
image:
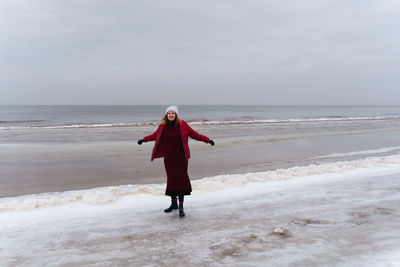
{"points": [[283, 186], [33, 124], [15, 118]]}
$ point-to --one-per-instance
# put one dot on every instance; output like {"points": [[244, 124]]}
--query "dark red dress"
{"points": [[175, 162]]}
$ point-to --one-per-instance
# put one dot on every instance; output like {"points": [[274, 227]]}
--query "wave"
{"points": [[74, 126], [360, 153], [300, 120], [203, 122], [21, 121], [106, 195]]}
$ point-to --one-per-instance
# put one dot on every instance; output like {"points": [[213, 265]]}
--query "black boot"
{"points": [[181, 212], [174, 206]]}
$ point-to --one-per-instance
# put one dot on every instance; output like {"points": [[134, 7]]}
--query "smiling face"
{"points": [[171, 115]]}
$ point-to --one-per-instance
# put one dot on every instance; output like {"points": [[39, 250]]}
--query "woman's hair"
{"points": [[164, 119]]}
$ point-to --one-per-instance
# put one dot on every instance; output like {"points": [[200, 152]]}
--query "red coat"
{"points": [[186, 132]]}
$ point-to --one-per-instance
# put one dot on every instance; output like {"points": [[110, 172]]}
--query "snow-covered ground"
{"points": [[333, 214]]}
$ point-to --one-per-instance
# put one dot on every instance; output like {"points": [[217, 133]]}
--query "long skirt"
{"points": [[178, 182]]}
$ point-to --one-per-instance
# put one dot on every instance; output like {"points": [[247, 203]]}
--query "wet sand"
{"points": [[55, 167]]}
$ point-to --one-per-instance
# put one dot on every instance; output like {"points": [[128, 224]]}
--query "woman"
{"points": [[171, 138]]}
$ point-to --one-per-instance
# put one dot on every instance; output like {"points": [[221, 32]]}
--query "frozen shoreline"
{"points": [[112, 194], [338, 217]]}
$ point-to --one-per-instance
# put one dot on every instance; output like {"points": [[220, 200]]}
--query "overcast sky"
{"points": [[200, 52]]}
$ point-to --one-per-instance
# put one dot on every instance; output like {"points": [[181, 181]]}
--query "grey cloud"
{"points": [[200, 52]]}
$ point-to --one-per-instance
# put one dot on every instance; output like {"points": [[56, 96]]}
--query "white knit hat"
{"points": [[172, 108]]}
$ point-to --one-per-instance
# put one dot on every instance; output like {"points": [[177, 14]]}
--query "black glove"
{"points": [[211, 142], [140, 141]]}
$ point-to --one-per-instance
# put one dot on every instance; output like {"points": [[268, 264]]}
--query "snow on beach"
{"points": [[105, 195], [336, 214]]}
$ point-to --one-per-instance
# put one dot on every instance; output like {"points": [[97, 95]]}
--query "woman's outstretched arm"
{"points": [[151, 137], [199, 137]]}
